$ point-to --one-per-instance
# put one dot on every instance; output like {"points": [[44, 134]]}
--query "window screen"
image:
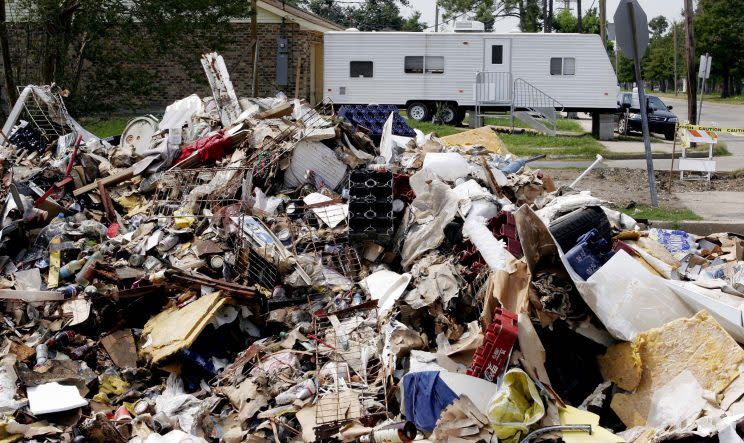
{"points": [[569, 66], [556, 66], [360, 69], [434, 64], [497, 55], [413, 65]]}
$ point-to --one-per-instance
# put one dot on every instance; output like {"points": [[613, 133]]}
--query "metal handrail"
{"points": [[522, 87]]}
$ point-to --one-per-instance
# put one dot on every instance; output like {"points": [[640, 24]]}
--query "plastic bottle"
{"points": [[85, 275], [60, 338], [71, 268], [300, 391], [80, 352]]}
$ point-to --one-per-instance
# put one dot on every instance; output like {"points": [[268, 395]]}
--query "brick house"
{"points": [[175, 74]]}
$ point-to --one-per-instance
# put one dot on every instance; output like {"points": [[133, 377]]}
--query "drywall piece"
{"points": [[386, 287], [174, 329], [698, 344], [449, 166], [484, 136], [53, 397]]}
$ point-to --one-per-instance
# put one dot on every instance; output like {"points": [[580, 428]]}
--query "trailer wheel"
{"points": [[418, 111], [622, 125], [451, 114]]}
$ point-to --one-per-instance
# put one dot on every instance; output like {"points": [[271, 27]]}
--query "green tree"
{"points": [[566, 21], [486, 11], [719, 31], [413, 23], [658, 25]]}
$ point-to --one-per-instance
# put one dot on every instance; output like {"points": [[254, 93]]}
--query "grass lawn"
{"points": [[522, 145], [661, 213], [529, 144], [106, 126], [563, 124]]}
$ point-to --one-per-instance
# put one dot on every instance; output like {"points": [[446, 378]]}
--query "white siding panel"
{"points": [[593, 86]]}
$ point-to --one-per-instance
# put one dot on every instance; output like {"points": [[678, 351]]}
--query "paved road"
{"points": [[714, 114]]}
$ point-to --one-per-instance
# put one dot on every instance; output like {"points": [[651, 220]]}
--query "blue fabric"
{"points": [[426, 396]]}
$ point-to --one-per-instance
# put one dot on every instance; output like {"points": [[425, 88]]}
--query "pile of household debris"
{"points": [[262, 270]]}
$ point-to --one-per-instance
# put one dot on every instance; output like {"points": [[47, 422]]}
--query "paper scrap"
{"points": [[53, 397]]}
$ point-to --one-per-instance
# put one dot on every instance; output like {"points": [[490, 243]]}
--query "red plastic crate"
{"points": [[492, 357]]}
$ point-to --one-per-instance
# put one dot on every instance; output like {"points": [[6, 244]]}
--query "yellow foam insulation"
{"points": [[484, 136], [174, 329], [698, 344], [621, 365]]}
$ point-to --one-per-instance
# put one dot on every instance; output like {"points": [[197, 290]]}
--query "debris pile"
{"points": [[259, 269]]}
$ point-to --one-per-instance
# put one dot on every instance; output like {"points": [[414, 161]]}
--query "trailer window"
{"points": [[360, 69], [413, 65], [434, 64], [569, 66], [497, 54], [416, 64], [562, 66]]}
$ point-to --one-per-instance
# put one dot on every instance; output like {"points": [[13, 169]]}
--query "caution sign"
{"points": [[732, 131]]}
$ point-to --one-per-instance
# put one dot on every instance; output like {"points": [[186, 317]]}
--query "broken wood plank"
{"points": [[30, 296], [277, 111], [120, 347], [107, 181]]}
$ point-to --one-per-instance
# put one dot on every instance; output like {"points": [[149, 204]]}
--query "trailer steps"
{"points": [[526, 102]]}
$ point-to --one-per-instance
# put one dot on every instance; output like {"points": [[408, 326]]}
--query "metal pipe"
{"points": [[534, 434], [587, 171]]}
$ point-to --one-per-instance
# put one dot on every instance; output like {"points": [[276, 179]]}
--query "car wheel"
{"points": [[418, 111], [622, 125], [451, 114], [669, 135]]}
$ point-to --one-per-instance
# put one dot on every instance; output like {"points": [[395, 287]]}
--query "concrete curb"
{"points": [[702, 227]]}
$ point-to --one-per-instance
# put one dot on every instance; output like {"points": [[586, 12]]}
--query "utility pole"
{"points": [[690, 63], [603, 21], [545, 16], [674, 36], [578, 15], [436, 16], [550, 15]]}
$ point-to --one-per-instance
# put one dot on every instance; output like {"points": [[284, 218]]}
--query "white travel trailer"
{"points": [[470, 71]]}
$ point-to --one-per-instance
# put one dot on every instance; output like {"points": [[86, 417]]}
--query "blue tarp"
{"points": [[426, 396]]}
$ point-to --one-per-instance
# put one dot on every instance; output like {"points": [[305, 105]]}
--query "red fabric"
{"points": [[210, 148]]}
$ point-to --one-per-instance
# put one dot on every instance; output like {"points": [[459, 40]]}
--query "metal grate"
{"points": [[197, 193], [350, 376]]}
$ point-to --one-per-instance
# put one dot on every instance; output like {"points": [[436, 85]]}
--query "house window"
{"points": [[419, 65], [360, 69], [497, 54], [562, 66]]}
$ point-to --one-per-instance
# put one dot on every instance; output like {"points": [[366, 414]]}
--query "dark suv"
{"points": [[660, 120]]}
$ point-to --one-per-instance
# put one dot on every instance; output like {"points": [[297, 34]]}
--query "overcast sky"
{"points": [[669, 8]]}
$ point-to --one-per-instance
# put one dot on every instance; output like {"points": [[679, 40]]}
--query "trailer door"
{"points": [[495, 82]]}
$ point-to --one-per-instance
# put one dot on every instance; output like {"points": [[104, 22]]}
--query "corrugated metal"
{"points": [[464, 57]]}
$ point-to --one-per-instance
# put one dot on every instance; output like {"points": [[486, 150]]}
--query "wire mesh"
{"points": [[350, 373], [197, 193]]}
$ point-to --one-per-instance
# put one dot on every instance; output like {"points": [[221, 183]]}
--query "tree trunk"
{"points": [[690, 62], [7, 64], [726, 90]]}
